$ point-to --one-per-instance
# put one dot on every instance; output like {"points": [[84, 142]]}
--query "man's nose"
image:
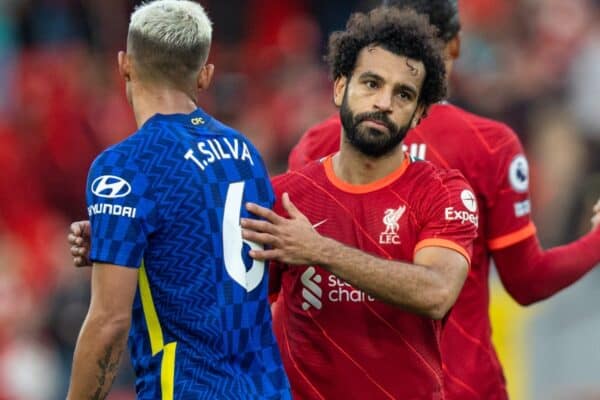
{"points": [[383, 101]]}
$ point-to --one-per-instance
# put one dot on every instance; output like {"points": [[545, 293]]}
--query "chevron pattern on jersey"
{"points": [[225, 345]]}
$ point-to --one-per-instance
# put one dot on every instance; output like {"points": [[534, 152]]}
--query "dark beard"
{"points": [[370, 141]]}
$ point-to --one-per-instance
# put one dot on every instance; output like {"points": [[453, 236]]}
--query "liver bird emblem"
{"points": [[390, 219]]}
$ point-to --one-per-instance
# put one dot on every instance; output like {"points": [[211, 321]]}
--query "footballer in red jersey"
{"points": [[491, 158], [375, 248], [467, 335], [338, 341]]}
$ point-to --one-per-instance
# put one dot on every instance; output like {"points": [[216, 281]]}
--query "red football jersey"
{"points": [[338, 342], [491, 158]]}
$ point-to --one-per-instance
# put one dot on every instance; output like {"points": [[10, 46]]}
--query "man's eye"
{"points": [[371, 84]]}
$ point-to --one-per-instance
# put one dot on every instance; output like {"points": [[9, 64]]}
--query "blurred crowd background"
{"points": [[534, 64]]}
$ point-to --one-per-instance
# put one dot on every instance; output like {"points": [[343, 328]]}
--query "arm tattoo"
{"points": [[108, 366]]}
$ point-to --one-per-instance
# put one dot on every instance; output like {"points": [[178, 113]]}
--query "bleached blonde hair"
{"points": [[169, 40]]}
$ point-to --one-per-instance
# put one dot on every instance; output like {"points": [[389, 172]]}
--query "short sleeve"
{"points": [[451, 217], [122, 214], [297, 158], [509, 206]]}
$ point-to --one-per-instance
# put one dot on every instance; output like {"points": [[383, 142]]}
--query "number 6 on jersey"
{"points": [[233, 242]]}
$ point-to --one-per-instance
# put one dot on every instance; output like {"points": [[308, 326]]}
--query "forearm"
{"points": [[531, 274], [97, 358], [417, 288], [428, 286]]}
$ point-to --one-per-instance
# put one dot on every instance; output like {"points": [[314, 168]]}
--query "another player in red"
{"points": [[377, 245], [490, 156]]}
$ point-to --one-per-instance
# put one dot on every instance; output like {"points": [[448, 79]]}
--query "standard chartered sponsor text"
{"points": [[340, 291]]}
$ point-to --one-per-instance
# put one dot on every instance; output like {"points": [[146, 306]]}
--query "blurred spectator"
{"points": [[7, 48], [584, 87]]}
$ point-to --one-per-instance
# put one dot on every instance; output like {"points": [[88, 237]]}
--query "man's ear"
{"points": [[453, 47], [420, 113], [205, 76], [339, 88], [124, 61]]}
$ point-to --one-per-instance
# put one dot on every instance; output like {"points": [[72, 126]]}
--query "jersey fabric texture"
{"points": [[167, 200], [490, 156], [336, 341]]}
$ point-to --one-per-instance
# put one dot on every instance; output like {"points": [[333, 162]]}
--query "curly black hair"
{"points": [[400, 31], [443, 14]]}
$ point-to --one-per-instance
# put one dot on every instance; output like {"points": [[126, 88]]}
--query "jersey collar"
{"points": [[369, 187]]}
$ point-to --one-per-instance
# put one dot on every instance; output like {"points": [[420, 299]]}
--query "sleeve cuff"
{"points": [[512, 238], [448, 244]]}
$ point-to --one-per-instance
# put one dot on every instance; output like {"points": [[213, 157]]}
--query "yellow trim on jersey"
{"points": [[167, 371], [152, 322], [155, 333]]}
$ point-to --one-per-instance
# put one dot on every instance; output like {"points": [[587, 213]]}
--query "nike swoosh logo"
{"points": [[315, 226]]}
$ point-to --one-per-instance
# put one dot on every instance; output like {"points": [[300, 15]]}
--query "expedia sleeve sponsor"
{"points": [[468, 213], [449, 214], [452, 214]]}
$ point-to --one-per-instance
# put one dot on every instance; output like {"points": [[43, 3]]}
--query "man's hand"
{"points": [[292, 241], [79, 239], [596, 218]]}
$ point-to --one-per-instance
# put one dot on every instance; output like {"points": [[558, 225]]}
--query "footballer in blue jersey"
{"points": [[168, 200], [171, 271]]}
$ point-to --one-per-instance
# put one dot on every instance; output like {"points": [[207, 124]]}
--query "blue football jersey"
{"points": [[168, 200]]}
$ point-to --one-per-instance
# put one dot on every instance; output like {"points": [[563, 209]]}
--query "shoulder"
{"points": [[482, 148], [318, 141], [216, 126], [482, 131], [428, 176], [330, 124], [298, 180], [325, 135], [441, 194], [121, 153]]}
